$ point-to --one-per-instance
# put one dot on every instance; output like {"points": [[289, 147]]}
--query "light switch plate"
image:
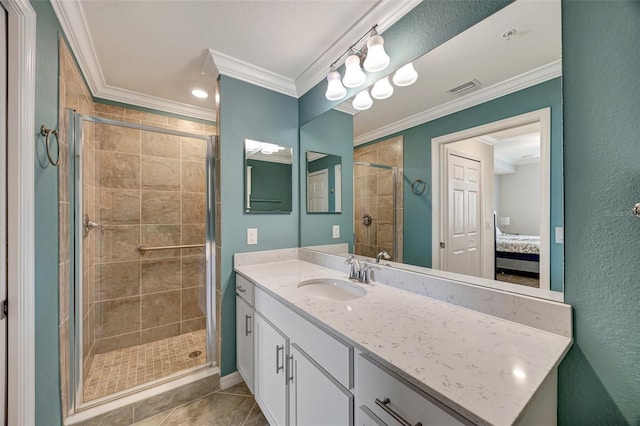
{"points": [[560, 234], [336, 231], [252, 236]]}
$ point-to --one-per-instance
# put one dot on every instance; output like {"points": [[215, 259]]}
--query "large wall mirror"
{"points": [[324, 182], [476, 147], [268, 174]]}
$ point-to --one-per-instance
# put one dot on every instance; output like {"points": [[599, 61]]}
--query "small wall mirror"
{"points": [[268, 174], [324, 183]]}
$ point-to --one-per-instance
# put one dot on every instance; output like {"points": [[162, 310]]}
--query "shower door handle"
{"points": [[89, 225]]}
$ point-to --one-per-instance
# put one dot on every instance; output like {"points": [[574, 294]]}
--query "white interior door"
{"points": [[463, 243], [318, 191], [3, 209]]}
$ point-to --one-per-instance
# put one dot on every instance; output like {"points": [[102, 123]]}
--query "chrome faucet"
{"points": [[381, 255], [359, 271], [354, 271]]}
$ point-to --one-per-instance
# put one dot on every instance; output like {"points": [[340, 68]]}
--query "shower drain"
{"points": [[195, 354]]}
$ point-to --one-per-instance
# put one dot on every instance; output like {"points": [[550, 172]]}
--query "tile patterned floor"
{"points": [[230, 407], [517, 279], [121, 369]]}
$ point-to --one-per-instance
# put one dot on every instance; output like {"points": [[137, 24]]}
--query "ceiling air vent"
{"points": [[464, 88]]}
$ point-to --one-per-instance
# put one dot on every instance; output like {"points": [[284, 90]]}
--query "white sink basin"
{"points": [[331, 289]]}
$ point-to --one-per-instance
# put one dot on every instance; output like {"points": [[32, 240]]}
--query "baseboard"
{"points": [[230, 380]]}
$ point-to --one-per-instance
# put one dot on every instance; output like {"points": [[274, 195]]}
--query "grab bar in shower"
{"points": [[142, 249]]}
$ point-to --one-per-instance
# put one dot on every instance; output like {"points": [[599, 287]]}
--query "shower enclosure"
{"points": [[375, 209], [143, 286]]}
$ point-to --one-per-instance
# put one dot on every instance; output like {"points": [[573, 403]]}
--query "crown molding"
{"points": [[346, 107], [245, 71], [385, 13], [74, 25], [75, 28], [512, 85]]}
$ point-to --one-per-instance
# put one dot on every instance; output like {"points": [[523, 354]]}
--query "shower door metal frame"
{"points": [[76, 402], [394, 170]]}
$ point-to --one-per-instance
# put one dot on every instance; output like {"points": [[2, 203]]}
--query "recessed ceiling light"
{"points": [[199, 93]]}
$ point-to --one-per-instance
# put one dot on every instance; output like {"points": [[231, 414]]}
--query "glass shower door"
{"points": [[375, 209], [143, 242]]}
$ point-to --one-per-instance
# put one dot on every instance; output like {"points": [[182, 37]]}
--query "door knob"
{"points": [[636, 210]]}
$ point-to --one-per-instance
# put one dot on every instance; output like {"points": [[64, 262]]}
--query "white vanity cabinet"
{"points": [[316, 398], [245, 330], [271, 383], [383, 396]]}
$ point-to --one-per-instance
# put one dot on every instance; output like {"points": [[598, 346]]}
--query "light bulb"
{"points": [[405, 76], [353, 75], [377, 59], [362, 100], [382, 89], [335, 89]]}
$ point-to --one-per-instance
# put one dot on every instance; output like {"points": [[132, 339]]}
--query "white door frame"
{"points": [[437, 152], [21, 211]]}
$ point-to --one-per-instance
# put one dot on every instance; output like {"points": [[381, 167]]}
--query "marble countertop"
{"points": [[484, 367]]}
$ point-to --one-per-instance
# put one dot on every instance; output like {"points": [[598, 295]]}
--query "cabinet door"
{"points": [[244, 341], [316, 398], [270, 372]]}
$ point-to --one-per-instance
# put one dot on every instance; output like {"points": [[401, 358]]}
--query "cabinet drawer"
{"points": [[386, 394], [245, 289], [335, 356]]}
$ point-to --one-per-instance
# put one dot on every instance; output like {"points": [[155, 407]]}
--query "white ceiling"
{"points": [[481, 53], [151, 52], [513, 147]]}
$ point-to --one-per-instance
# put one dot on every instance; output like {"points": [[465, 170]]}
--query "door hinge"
{"points": [[441, 245], [5, 309]]}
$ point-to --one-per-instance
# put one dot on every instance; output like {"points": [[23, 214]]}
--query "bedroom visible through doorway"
{"points": [[509, 232]]}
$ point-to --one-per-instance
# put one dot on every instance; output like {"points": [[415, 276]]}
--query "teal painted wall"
{"points": [[331, 133], [424, 28], [46, 222], [417, 164], [270, 181], [599, 381], [248, 111], [328, 162]]}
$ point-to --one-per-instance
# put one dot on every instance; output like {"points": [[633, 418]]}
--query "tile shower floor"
{"points": [[121, 369]]}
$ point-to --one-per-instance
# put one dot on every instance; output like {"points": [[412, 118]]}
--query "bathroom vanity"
{"points": [[316, 348]]}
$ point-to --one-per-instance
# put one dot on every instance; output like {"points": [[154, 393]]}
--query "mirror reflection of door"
{"points": [[317, 192], [512, 239], [463, 249]]}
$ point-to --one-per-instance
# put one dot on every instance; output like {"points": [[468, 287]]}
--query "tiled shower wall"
{"points": [[150, 191], [73, 94], [373, 194], [167, 294]]}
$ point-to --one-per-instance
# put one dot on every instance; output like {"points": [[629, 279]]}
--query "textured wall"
{"points": [[331, 133], [248, 111], [599, 381]]}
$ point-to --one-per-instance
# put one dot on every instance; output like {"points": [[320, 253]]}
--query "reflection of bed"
{"points": [[518, 254]]}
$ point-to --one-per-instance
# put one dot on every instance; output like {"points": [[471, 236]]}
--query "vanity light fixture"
{"points": [[405, 76], [335, 89], [353, 75], [375, 59], [362, 100], [199, 93], [382, 89]]}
